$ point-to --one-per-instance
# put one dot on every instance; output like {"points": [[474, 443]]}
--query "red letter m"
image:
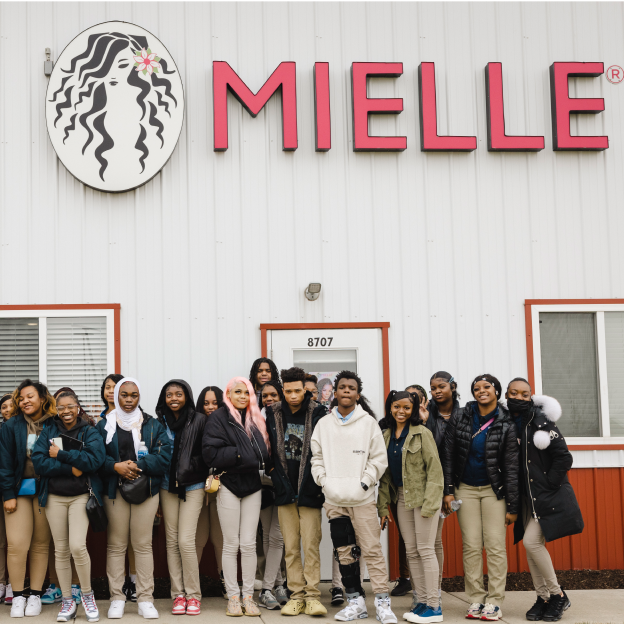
{"points": [[284, 78]]}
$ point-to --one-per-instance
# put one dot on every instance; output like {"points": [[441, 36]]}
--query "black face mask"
{"points": [[516, 406]]}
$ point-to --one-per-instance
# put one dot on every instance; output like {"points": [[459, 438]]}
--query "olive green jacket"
{"points": [[423, 480]]}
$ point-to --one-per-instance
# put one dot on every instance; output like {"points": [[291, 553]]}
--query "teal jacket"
{"points": [[154, 464], [89, 459]]}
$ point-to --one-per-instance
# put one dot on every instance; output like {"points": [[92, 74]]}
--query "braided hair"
{"points": [[255, 367]]}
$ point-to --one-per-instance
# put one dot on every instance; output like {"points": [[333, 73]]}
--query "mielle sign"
{"points": [[283, 79]]}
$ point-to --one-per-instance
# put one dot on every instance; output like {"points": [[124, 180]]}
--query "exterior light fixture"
{"points": [[313, 291], [48, 65]]}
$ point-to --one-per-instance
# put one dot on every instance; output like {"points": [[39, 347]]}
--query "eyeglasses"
{"points": [[67, 408]]}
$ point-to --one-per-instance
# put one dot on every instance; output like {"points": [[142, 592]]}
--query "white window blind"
{"points": [[614, 340], [19, 352], [569, 369], [77, 357]]}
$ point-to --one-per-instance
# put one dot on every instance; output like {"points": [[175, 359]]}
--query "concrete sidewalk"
{"points": [[595, 606]]}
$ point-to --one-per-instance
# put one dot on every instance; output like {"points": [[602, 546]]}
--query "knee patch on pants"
{"points": [[343, 534]]}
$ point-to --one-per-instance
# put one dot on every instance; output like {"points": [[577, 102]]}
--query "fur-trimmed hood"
{"points": [[548, 411]]}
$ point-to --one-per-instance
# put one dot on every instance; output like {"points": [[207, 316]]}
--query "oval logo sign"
{"points": [[115, 106]]}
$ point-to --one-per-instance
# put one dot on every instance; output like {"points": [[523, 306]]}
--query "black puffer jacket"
{"points": [[438, 425], [227, 448], [545, 461], [501, 454], [191, 468], [309, 494]]}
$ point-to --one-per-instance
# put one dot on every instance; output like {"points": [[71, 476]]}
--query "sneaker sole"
{"points": [[149, 617], [362, 616], [428, 620]]}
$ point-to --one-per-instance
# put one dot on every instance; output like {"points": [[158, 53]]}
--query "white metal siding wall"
{"points": [[444, 246]]}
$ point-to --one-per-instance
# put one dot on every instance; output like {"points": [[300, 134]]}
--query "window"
{"points": [[578, 358], [68, 347]]}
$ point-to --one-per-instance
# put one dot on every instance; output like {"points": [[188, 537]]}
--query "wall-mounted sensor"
{"points": [[48, 65], [313, 291]]}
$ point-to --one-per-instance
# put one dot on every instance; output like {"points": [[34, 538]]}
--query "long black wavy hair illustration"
{"points": [[88, 84]]}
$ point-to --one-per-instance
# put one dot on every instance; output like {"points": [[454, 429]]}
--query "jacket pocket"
{"points": [[345, 491]]}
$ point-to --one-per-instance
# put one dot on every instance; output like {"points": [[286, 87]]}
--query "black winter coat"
{"points": [[545, 461], [309, 494], [191, 468], [502, 457], [227, 448], [437, 425]]}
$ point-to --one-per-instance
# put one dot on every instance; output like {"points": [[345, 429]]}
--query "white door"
{"points": [[325, 352]]}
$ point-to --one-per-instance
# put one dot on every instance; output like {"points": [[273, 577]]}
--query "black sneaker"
{"points": [[402, 587], [129, 589], [555, 608], [536, 612], [337, 596]]}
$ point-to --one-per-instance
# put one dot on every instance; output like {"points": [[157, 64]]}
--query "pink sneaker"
{"points": [[179, 605], [193, 607]]}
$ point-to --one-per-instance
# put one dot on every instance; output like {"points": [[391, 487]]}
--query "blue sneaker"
{"points": [[52, 594], [415, 611], [76, 593], [428, 615]]}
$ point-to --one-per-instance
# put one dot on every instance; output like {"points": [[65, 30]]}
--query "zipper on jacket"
{"points": [[526, 463]]}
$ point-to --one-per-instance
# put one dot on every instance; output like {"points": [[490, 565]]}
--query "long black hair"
{"points": [[255, 367], [199, 407], [116, 377], [88, 84], [388, 421]]}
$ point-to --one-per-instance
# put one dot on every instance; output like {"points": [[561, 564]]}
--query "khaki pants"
{"points": [[439, 551], [272, 546], [69, 523], [28, 536], [420, 534], [54, 579], [181, 518], [208, 526], [482, 522], [133, 523], [301, 528], [404, 571], [239, 523], [367, 535], [540, 563], [3, 545]]}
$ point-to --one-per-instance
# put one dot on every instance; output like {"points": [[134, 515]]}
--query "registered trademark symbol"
{"points": [[615, 74]]}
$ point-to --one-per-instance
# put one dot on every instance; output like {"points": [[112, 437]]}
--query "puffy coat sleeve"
{"points": [[434, 487], [512, 469], [156, 462], [448, 456], [45, 465], [217, 450], [317, 463], [90, 458], [560, 456]]}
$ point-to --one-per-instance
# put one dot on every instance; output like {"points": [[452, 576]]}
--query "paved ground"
{"points": [[589, 606]]}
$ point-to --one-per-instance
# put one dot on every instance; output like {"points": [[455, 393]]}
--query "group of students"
{"points": [[265, 452]]}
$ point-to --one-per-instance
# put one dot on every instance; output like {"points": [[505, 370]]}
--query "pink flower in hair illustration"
{"points": [[146, 61]]}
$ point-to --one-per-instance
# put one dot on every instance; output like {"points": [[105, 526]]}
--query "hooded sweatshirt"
{"points": [[345, 455]]}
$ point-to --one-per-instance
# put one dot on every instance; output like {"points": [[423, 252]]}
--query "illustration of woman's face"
{"points": [[327, 390], [119, 92]]}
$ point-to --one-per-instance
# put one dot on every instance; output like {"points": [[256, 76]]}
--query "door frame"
{"points": [[393, 533]]}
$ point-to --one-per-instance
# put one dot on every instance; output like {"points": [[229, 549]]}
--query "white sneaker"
{"points": [[8, 597], [384, 612], [68, 610], [3, 589], [474, 611], [33, 606], [257, 585], [18, 606], [91, 610], [355, 610], [491, 613], [148, 610], [116, 609]]}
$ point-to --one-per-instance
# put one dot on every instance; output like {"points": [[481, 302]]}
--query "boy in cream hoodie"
{"points": [[348, 458]]}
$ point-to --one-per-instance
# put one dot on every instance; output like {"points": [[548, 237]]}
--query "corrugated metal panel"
{"points": [[444, 246]]}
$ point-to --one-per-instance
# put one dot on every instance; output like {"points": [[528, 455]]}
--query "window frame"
{"points": [[533, 307], [42, 312]]}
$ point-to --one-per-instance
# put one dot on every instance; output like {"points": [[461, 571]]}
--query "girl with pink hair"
{"points": [[236, 446]]}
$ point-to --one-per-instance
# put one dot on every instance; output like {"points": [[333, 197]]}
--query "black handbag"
{"points": [[95, 512], [134, 492]]}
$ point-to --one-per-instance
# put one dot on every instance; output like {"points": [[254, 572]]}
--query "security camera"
{"points": [[313, 291]]}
